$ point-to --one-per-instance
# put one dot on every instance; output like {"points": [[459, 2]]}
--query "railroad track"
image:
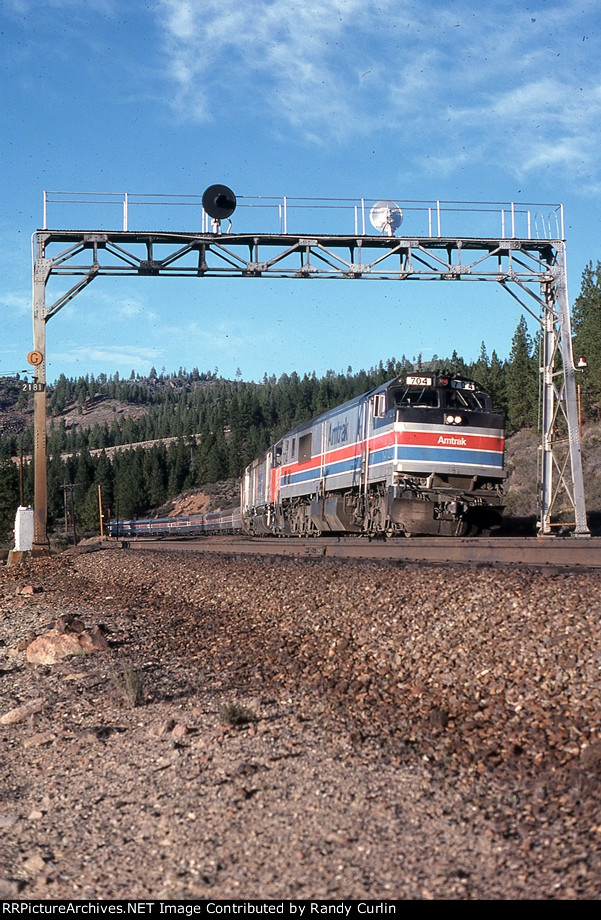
{"points": [[552, 552]]}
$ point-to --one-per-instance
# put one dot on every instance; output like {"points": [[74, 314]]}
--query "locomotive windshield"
{"points": [[467, 399], [419, 397], [427, 392]]}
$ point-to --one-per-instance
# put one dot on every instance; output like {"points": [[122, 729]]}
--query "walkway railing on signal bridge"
{"points": [[283, 215]]}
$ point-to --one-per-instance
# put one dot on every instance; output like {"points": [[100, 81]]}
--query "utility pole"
{"points": [[100, 514], [69, 505], [41, 273]]}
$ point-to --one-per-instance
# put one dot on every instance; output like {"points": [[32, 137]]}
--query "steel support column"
{"points": [[547, 405], [41, 273], [569, 393]]}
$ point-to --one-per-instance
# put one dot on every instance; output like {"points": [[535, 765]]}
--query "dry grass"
{"points": [[129, 685], [235, 714]]}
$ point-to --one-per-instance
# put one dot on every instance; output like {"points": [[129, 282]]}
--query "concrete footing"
{"points": [[16, 556]]}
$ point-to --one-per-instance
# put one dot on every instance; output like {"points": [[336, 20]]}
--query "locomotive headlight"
{"points": [[453, 419]]}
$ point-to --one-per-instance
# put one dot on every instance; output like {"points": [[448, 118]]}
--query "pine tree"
{"points": [[587, 336], [480, 369], [458, 365], [130, 489], [179, 467], [522, 381], [155, 474], [57, 476], [88, 512], [497, 384], [84, 477], [9, 498]]}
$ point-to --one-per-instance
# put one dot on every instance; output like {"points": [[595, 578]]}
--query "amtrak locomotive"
{"points": [[421, 454]]}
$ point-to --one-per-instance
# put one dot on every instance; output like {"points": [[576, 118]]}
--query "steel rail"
{"points": [[568, 552]]}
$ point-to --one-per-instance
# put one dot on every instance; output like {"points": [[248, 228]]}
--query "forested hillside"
{"points": [[191, 429]]}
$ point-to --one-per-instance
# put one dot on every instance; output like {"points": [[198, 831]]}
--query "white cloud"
{"points": [[19, 304], [291, 59], [97, 308], [18, 9], [221, 340], [132, 308], [130, 355], [538, 125], [497, 78]]}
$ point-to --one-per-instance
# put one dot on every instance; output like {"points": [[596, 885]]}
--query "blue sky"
{"points": [[395, 99]]}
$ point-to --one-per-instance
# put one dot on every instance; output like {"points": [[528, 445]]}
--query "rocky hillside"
{"points": [[16, 412], [215, 496], [521, 460]]}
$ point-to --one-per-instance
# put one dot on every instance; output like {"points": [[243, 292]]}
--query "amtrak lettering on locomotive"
{"points": [[421, 454]]}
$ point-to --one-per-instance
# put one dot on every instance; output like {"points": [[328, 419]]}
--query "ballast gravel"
{"points": [[299, 729]]}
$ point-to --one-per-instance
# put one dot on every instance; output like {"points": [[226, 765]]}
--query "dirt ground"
{"points": [[251, 728]]}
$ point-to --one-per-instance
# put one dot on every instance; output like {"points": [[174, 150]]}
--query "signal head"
{"points": [[219, 202], [386, 216]]}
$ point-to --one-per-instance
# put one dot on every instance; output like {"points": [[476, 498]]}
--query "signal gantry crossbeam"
{"points": [[287, 256], [533, 271]]}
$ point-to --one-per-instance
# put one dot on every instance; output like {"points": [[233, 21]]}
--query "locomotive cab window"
{"points": [[380, 405], [416, 397], [467, 399], [304, 447]]}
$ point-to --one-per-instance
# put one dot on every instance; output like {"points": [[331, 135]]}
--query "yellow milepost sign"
{"points": [[35, 358]]}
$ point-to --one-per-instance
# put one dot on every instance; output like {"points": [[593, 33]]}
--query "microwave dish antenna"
{"points": [[386, 216]]}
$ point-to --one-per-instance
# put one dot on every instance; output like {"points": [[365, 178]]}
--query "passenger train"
{"points": [[420, 455]]}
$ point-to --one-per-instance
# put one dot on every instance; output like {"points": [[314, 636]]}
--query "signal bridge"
{"points": [[519, 246]]}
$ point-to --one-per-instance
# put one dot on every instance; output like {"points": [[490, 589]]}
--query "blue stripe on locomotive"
{"points": [[436, 455], [433, 455]]}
